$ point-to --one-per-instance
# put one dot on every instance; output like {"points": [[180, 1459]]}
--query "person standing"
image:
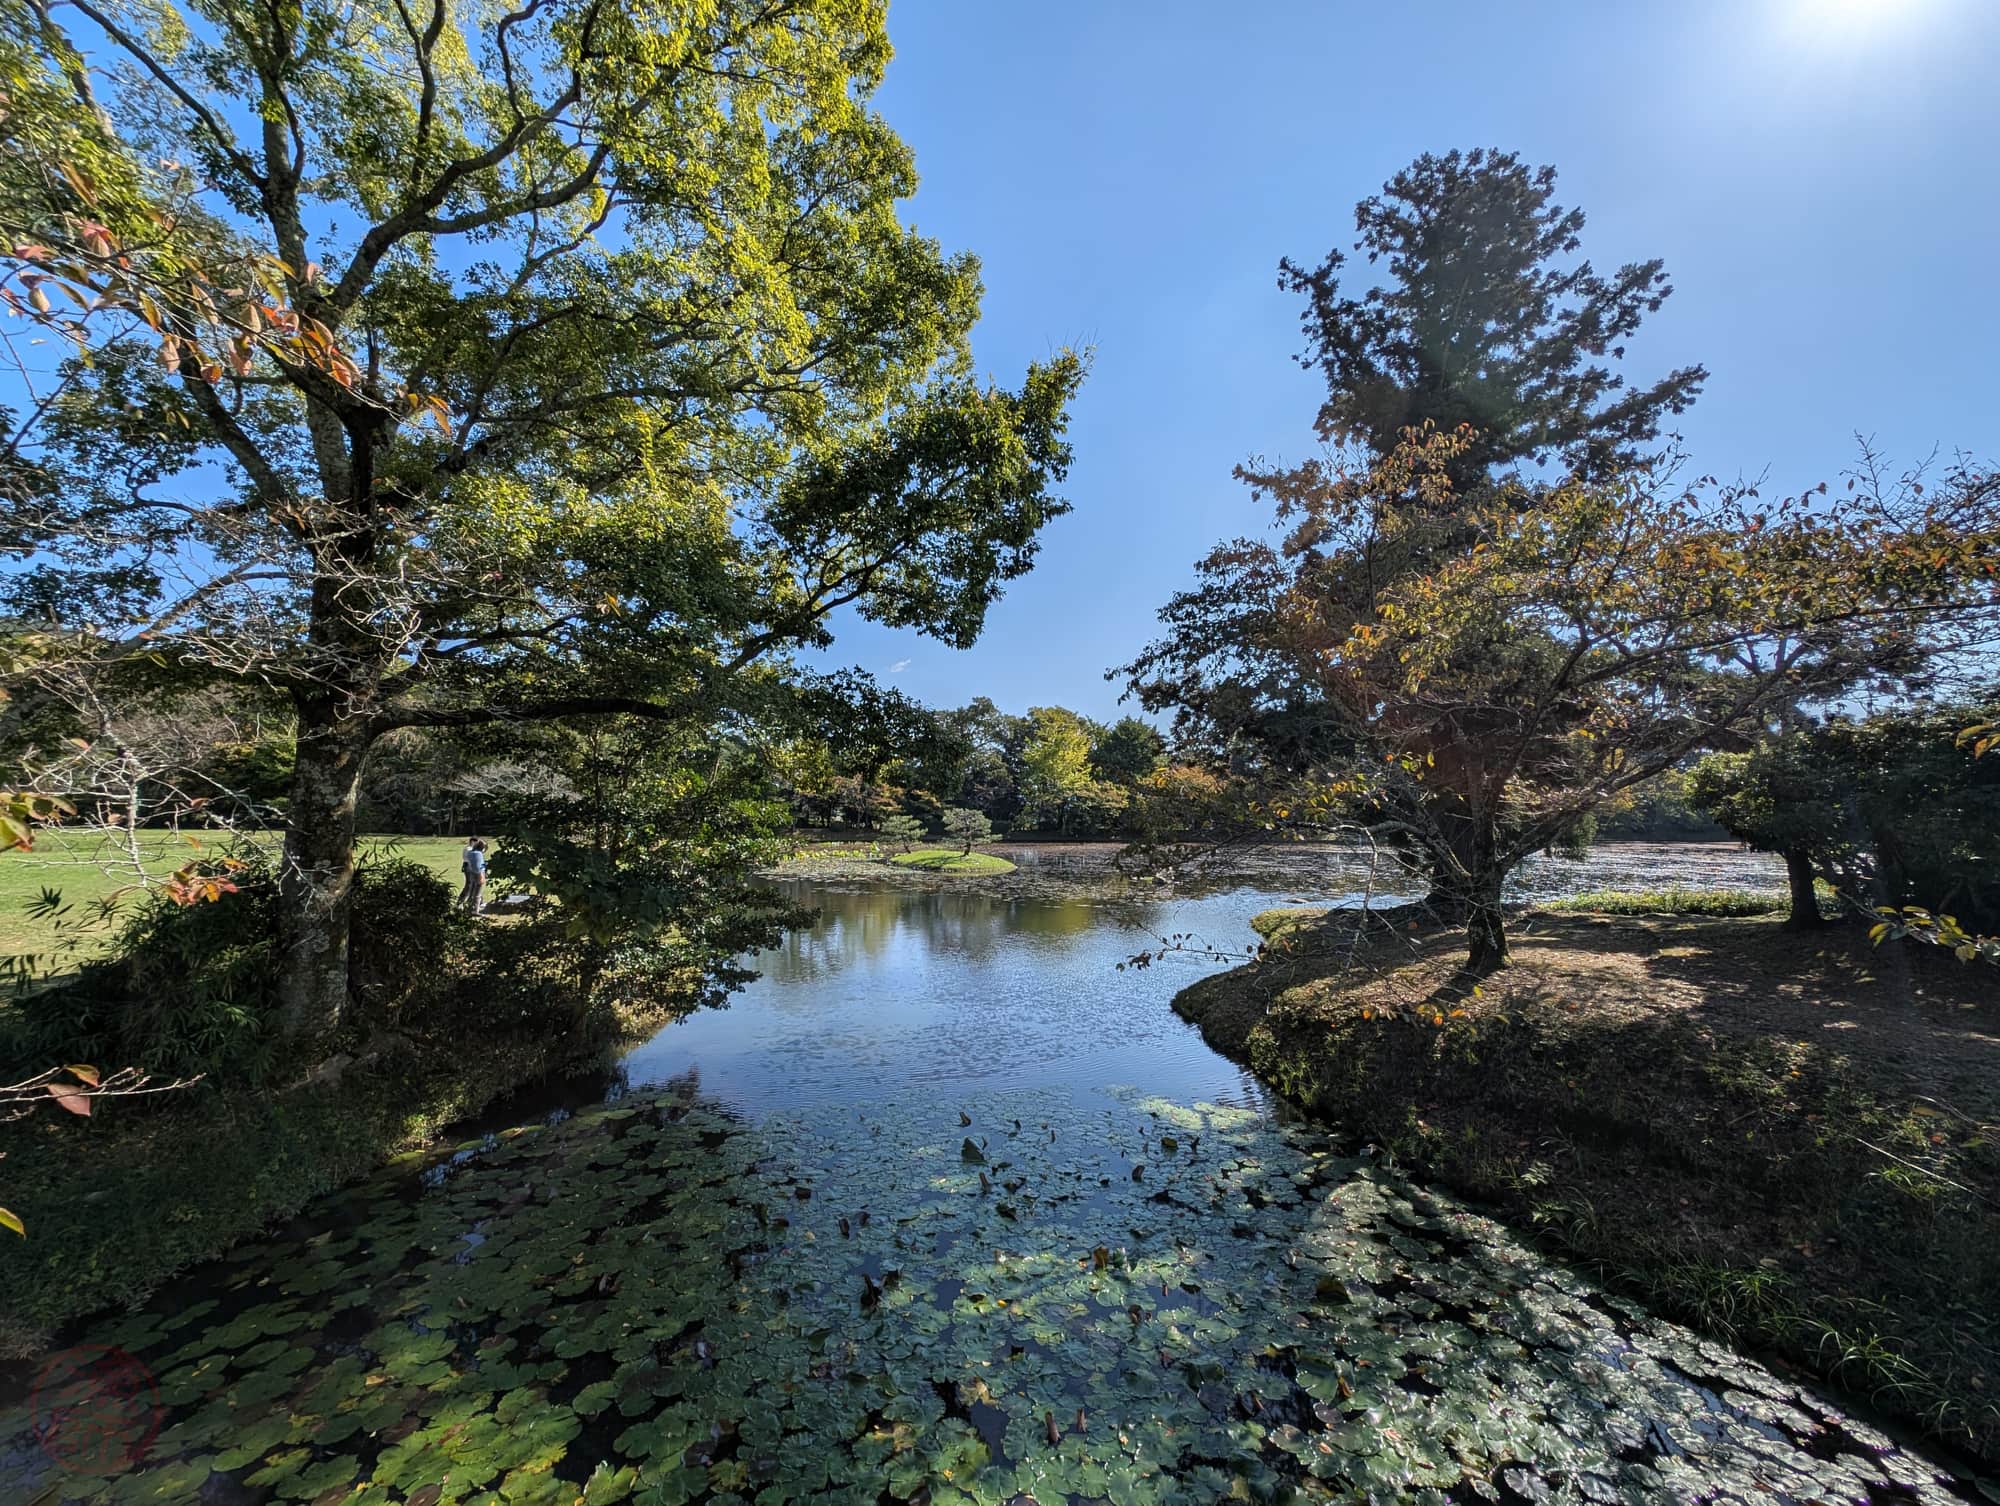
{"points": [[472, 864]]}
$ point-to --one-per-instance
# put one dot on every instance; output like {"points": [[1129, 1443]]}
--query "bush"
{"points": [[1898, 809], [189, 989], [405, 937]]}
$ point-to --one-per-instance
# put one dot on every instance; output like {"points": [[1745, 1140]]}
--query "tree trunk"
{"points": [[1486, 926], [1466, 886], [348, 656], [316, 884], [1805, 901]]}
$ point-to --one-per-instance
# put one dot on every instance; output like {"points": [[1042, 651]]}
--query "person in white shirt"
{"points": [[472, 863]]}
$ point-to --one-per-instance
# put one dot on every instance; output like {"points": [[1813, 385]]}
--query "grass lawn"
{"points": [[1718, 902], [83, 868], [949, 860]]}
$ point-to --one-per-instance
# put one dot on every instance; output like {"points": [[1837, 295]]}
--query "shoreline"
{"points": [[1784, 1140], [275, 1153]]}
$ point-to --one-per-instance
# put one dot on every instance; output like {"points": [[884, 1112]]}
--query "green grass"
{"points": [[84, 868], [947, 860], [1272, 923], [1280, 922], [1718, 902]]}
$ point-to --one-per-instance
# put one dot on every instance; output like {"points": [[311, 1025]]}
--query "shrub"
{"points": [[189, 989], [405, 935]]}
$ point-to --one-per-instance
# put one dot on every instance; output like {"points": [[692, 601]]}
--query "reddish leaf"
{"points": [[70, 1099]]}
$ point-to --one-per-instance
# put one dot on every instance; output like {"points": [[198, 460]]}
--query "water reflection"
{"points": [[898, 992], [860, 925]]}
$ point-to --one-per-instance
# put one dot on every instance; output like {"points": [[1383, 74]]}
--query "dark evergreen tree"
{"points": [[1487, 317], [1128, 751]]}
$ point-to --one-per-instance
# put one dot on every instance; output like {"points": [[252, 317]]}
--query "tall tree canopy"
{"points": [[437, 365], [1486, 317], [1487, 327], [1473, 703]]}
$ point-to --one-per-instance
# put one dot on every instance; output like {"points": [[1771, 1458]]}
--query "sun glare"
{"points": [[1852, 17]]}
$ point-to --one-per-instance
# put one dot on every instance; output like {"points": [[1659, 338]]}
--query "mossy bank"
{"points": [[1787, 1139]]}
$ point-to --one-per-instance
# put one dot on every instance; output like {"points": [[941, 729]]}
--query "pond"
{"points": [[946, 1208]]}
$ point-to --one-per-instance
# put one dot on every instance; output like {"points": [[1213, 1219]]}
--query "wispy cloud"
{"points": [[899, 666]]}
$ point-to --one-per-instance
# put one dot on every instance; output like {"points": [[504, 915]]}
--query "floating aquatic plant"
{"points": [[1131, 1303]]}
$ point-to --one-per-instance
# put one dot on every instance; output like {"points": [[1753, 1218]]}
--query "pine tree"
{"points": [[1487, 317]]}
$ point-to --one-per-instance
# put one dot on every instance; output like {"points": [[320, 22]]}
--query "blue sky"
{"points": [[1819, 175]]}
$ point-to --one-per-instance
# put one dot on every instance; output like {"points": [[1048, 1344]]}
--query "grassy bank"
{"points": [[1789, 1140], [448, 1017], [88, 867], [950, 860]]}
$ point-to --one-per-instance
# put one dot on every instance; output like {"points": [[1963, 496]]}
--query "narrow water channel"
{"points": [[945, 1208]]}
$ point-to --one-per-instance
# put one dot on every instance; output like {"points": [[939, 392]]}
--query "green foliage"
{"points": [[1721, 902], [991, 778], [185, 991], [902, 832], [592, 376], [256, 768], [642, 865], [21, 812], [967, 827], [1939, 930], [1786, 795], [407, 940], [1896, 809], [1055, 760], [188, 985], [1060, 789], [1127, 751]]}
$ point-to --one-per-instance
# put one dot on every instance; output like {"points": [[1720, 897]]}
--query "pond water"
{"points": [[947, 1209], [912, 993]]}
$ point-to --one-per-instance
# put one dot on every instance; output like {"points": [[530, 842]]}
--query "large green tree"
{"points": [[1127, 751], [438, 365]]}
